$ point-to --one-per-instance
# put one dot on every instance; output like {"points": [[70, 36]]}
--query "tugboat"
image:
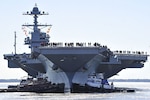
{"points": [[97, 80], [39, 85]]}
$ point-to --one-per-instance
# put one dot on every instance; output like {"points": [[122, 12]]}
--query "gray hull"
{"points": [[74, 64]]}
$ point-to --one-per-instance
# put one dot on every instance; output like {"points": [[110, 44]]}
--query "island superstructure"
{"points": [[70, 63]]}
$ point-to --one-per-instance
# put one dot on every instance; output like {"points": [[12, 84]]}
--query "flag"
{"points": [[25, 31]]}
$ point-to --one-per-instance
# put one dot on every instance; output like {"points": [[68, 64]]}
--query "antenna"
{"points": [[35, 13], [15, 41], [35, 4]]}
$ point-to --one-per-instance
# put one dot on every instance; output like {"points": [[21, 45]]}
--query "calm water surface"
{"points": [[142, 93]]}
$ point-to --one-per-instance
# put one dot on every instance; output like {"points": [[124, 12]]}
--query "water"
{"points": [[142, 93]]}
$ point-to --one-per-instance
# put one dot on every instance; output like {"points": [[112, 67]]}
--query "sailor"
{"points": [[112, 85]]}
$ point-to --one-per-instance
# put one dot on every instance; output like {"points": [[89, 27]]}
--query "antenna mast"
{"points": [[15, 42]]}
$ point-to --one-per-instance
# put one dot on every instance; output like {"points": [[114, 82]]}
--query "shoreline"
{"points": [[110, 80]]}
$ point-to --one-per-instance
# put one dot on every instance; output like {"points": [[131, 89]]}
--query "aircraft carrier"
{"points": [[69, 63]]}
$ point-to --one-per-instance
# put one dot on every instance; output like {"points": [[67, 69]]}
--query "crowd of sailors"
{"points": [[89, 44], [130, 52], [72, 44]]}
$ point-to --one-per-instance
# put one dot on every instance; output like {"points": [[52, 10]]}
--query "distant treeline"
{"points": [[129, 80], [110, 80], [9, 80]]}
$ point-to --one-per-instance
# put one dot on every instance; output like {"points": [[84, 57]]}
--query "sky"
{"points": [[119, 24]]}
